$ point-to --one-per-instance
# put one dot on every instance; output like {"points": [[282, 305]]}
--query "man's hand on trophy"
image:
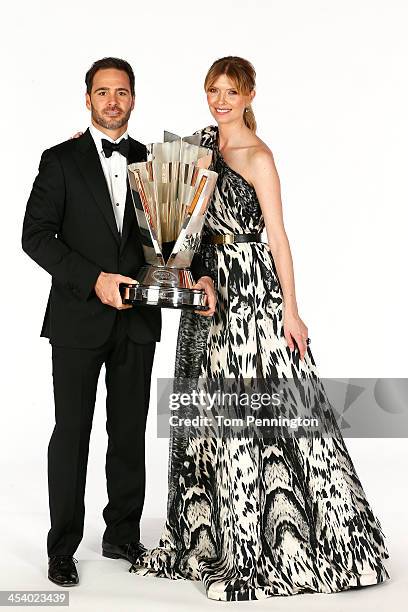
{"points": [[206, 283], [107, 289]]}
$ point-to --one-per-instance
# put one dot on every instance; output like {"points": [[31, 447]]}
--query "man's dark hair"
{"points": [[110, 62]]}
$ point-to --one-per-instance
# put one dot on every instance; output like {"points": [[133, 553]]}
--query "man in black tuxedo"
{"points": [[80, 226]]}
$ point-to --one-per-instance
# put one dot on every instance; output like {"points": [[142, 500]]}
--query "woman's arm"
{"points": [[265, 179]]}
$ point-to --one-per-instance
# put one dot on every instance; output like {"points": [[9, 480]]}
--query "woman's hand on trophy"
{"points": [[206, 284], [107, 289]]}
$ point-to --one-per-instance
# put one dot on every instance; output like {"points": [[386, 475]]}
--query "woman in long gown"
{"points": [[253, 517]]}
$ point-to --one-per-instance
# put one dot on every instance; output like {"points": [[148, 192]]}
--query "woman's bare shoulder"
{"points": [[260, 155]]}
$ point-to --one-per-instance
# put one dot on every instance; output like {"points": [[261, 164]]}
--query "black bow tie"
{"points": [[122, 147]]}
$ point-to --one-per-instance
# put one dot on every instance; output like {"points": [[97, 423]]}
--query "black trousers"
{"points": [[75, 376]]}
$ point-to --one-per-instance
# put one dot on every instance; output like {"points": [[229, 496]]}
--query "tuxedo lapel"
{"points": [[137, 153], [129, 218], [89, 165]]}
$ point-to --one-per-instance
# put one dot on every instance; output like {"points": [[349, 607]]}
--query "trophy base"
{"points": [[163, 297]]}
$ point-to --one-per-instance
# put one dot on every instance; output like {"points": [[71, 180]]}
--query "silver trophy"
{"points": [[171, 193]]}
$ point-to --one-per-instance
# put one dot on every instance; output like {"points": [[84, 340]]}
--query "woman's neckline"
{"points": [[220, 155]]}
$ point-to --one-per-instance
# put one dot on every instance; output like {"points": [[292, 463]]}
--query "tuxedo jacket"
{"points": [[70, 230]]}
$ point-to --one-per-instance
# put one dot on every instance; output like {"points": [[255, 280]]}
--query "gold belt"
{"points": [[231, 238]]}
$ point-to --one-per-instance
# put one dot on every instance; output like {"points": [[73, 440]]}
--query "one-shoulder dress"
{"points": [[249, 517]]}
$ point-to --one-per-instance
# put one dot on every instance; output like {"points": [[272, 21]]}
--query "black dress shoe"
{"points": [[131, 552], [62, 570]]}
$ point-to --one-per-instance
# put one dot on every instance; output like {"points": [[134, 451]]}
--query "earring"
{"points": [[247, 110]]}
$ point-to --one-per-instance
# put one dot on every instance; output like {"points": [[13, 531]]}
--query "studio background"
{"points": [[331, 103]]}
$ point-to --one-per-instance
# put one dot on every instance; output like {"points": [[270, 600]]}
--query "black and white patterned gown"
{"points": [[252, 518]]}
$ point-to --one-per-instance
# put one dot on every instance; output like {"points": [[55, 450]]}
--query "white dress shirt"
{"points": [[115, 171]]}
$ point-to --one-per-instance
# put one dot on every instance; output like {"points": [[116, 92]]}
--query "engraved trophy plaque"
{"points": [[171, 192]]}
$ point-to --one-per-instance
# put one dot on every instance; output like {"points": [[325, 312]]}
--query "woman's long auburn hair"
{"points": [[243, 75]]}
